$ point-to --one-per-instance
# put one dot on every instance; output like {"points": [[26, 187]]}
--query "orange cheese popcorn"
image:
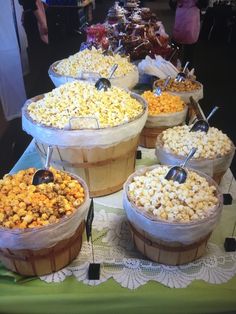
{"points": [[23, 205], [165, 103]]}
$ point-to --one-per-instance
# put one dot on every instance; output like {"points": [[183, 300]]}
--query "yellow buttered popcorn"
{"points": [[192, 200], [93, 61], [80, 99]]}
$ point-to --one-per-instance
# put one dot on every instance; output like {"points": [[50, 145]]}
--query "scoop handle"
{"points": [[166, 82], [212, 112], [185, 67], [190, 155], [113, 69], [49, 156], [173, 53]]}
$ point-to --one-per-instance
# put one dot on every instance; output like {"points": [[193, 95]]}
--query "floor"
{"points": [[215, 68]]}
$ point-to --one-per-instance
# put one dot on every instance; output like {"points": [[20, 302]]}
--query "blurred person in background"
{"points": [[12, 90], [34, 22], [187, 26]]}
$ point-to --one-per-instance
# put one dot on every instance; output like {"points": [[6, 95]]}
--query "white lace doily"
{"points": [[113, 248]]}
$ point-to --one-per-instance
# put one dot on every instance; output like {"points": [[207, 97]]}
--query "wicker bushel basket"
{"points": [[43, 250], [148, 136], [169, 253], [196, 94], [104, 158], [216, 167], [43, 261], [165, 242], [126, 81], [156, 124]]}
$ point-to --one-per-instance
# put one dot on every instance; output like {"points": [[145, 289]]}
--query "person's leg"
{"points": [[188, 55]]}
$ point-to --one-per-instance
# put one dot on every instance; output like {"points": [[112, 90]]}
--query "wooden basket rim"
{"points": [[140, 99], [53, 72]]}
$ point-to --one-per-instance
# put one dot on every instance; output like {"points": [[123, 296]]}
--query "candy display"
{"points": [[97, 36], [24, 205], [82, 99], [140, 38], [94, 134]]}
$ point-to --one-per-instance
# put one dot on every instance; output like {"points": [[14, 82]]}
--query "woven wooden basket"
{"points": [[218, 172], [104, 161], [104, 169], [169, 253], [148, 136], [170, 243], [43, 261]]}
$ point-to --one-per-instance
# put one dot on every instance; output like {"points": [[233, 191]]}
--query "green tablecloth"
{"points": [[72, 296], [20, 295]]}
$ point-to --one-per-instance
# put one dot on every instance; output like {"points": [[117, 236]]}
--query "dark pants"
{"points": [[39, 54], [186, 53]]}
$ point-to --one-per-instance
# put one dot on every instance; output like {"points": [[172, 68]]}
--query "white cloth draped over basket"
{"points": [[126, 81], [184, 233]]}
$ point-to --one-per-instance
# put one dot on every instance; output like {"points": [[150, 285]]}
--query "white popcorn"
{"points": [[168, 200], [179, 140]]}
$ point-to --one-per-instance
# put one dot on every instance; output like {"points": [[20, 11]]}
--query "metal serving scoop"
{"points": [[175, 50], [178, 173], [158, 90], [203, 125], [104, 83], [44, 175], [182, 75]]}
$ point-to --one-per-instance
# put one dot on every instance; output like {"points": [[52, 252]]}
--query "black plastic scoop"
{"points": [[182, 75], [158, 90], [44, 175], [178, 173], [104, 83], [203, 125]]}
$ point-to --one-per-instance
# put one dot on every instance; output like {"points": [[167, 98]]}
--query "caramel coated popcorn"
{"points": [[165, 103], [183, 86], [93, 61], [171, 201], [23, 205], [179, 140], [80, 99]]}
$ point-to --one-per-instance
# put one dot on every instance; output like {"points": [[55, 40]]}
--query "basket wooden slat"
{"points": [[46, 260], [104, 169], [148, 136], [169, 253]]}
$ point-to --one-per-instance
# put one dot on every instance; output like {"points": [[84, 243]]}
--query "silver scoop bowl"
{"points": [[158, 90], [44, 175], [104, 83], [178, 173], [203, 125], [182, 75]]}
